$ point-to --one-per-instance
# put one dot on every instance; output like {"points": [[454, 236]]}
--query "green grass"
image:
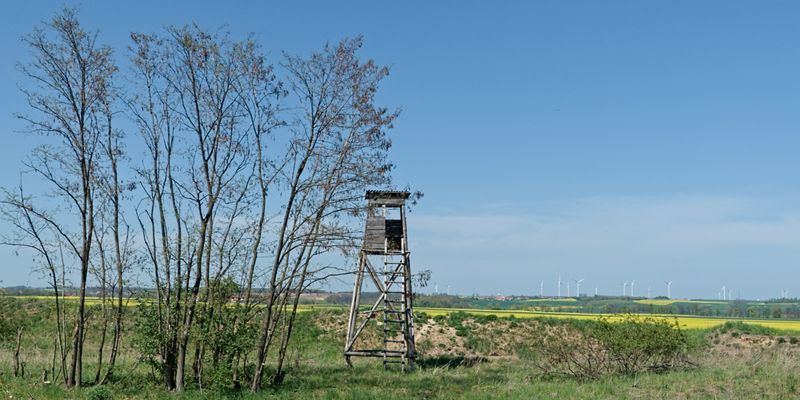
{"points": [[317, 370], [493, 380]]}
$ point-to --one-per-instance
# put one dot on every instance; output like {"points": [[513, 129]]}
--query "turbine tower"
{"points": [[578, 287], [559, 286], [541, 289], [568, 288], [669, 289], [633, 282], [624, 288]]}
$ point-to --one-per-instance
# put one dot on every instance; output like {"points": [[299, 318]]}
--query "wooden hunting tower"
{"points": [[385, 245]]}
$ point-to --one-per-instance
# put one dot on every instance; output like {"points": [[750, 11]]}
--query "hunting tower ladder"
{"points": [[384, 258]]}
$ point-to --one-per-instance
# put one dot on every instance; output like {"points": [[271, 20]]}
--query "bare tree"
{"points": [[71, 75], [259, 93], [192, 118], [112, 187], [338, 149], [161, 230], [34, 234]]}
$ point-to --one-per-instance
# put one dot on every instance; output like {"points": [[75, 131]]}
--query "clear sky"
{"points": [[609, 141]]}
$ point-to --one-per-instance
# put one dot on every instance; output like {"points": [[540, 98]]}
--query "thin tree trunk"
{"points": [[115, 199], [17, 364], [266, 333], [104, 313]]}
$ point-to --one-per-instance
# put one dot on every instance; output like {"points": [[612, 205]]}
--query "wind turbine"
{"points": [[578, 287], [559, 286], [669, 289], [724, 293], [624, 288], [541, 289], [595, 291], [568, 289], [633, 282]]}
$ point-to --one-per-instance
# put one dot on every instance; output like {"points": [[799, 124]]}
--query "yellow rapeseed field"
{"points": [[666, 302], [685, 321]]}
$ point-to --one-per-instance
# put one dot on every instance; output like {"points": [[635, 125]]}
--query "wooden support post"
{"points": [[354, 308]]}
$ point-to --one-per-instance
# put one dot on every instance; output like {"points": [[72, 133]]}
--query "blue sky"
{"points": [[609, 141]]}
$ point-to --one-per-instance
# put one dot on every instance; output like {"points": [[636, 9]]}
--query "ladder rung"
{"points": [[393, 341], [396, 321], [394, 361], [395, 331], [393, 312]]}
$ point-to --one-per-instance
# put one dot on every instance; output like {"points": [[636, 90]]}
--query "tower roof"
{"points": [[386, 194]]}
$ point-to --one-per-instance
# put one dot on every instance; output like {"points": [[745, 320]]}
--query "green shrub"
{"points": [[636, 344], [640, 344], [737, 327], [146, 337], [99, 393], [456, 320], [483, 319]]}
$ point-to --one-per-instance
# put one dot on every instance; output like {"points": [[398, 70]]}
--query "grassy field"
{"points": [[478, 366]]}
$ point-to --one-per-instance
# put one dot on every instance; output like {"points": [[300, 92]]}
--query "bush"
{"points": [[565, 350], [146, 337], [640, 344], [13, 316], [738, 327], [634, 345], [99, 393], [456, 320], [484, 319]]}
